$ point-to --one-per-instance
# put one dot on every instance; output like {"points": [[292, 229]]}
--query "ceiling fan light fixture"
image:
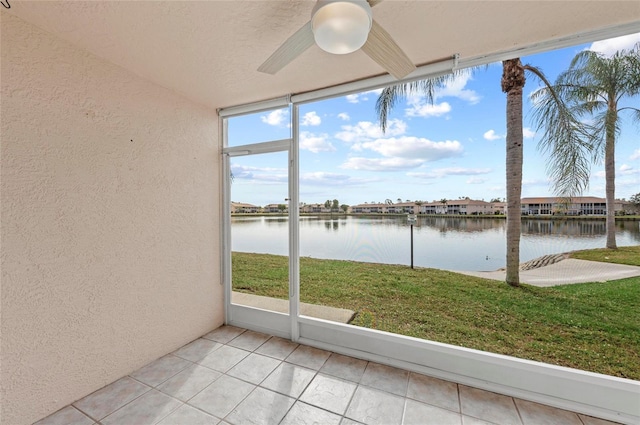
{"points": [[341, 26]]}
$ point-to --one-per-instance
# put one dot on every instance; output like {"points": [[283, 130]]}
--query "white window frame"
{"points": [[590, 393]]}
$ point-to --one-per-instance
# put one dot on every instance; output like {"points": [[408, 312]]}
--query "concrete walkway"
{"points": [[340, 315], [566, 272]]}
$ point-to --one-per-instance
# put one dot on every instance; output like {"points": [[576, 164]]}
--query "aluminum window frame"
{"points": [[585, 392]]}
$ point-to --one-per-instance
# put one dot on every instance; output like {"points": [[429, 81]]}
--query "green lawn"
{"points": [[622, 255], [592, 326]]}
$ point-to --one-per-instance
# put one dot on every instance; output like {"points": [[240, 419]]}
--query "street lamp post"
{"points": [[411, 219]]}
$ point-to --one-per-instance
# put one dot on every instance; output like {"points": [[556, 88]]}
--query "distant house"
{"points": [[579, 205], [457, 207], [403, 208], [499, 207], [275, 208], [399, 208], [368, 208], [241, 208], [314, 209], [627, 207]]}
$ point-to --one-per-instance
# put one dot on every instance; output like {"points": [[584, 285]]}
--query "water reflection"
{"points": [[452, 243], [332, 225], [471, 225], [568, 227]]}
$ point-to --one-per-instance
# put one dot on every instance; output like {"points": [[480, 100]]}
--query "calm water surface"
{"points": [[443, 243]]}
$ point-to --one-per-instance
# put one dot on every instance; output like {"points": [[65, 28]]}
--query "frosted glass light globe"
{"points": [[341, 27]]}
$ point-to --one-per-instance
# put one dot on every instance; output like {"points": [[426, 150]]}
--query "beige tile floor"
{"points": [[235, 376]]}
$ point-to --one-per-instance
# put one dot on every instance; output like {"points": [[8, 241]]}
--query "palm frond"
{"points": [[566, 141], [391, 95], [578, 113]]}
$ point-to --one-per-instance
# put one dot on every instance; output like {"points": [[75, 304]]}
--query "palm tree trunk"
{"points": [[513, 81], [610, 178]]}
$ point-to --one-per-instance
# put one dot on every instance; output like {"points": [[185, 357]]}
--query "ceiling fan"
{"points": [[341, 27]]}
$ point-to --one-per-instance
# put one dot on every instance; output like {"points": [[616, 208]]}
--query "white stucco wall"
{"points": [[110, 217]]}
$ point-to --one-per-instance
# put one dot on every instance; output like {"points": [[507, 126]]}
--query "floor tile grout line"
{"points": [[207, 386], [188, 363], [182, 403], [404, 411], [315, 373], [157, 385], [344, 415], [79, 410], [240, 402], [224, 342], [435, 405], [297, 398], [170, 413], [208, 352], [242, 380], [513, 400], [140, 396], [198, 409], [459, 398], [130, 401]]}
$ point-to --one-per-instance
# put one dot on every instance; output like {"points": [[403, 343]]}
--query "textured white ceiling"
{"points": [[209, 50]]}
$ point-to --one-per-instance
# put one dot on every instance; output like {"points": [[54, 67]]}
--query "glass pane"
{"points": [[260, 231], [259, 127]]}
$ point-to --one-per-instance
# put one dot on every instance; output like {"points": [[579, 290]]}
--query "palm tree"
{"points": [[513, 81], [586, 123], [444, 201]]}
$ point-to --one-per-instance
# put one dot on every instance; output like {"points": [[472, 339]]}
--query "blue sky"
{"points": [[453, 148]]}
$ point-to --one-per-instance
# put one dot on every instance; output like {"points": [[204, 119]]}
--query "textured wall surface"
{"points": [[110, 212], [182, 44]]}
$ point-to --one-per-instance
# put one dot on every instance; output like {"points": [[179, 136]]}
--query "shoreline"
{"points": [[497, 216]]}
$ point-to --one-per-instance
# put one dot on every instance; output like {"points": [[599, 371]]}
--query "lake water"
{"points": [[464, 243]]}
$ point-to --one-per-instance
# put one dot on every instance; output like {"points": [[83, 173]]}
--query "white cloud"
{"points": [[315, 143], [459, 171], [415, 147], [437, 173], [422, 175], [311, 118], [366, 130], [612, 45], [491, 135], [381, 164], [635, 155], [362, 97], [321, 178], [626, 170], [260, 175], [600, 174], [631, 184], [527, 133], [456, 88], [421, 108], [476, 180], [344, 116], [535, 182], [275, 118], [352, 98]]}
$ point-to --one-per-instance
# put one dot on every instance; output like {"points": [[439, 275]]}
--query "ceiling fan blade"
{"points": [[293, 47], [373, 3], [381, 48]]}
